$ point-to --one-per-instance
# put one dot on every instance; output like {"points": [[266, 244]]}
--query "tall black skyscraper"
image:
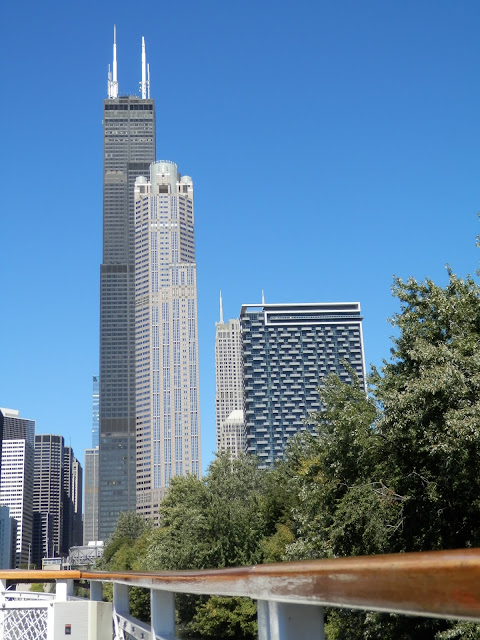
{"points": [[128, 151]]}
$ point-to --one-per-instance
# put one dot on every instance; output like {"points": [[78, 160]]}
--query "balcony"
{"points": [[291, 596]]}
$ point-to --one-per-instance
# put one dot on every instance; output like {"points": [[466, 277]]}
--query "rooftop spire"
{"points": [[112, 78], [263, 296], [221, 308], [145, 84]]}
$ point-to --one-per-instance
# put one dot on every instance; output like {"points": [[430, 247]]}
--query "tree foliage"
{"points": [[393, 470], [398, 470]]}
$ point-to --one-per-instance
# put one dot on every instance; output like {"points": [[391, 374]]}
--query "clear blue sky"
{"points": [[332, 145]]}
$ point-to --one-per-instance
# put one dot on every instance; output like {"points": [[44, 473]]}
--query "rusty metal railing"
{"points": [[291, 596]]}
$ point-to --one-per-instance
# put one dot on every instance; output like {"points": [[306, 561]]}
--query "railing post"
{"points": [[96, 592], [162, 605], [64, 588], [289, 621], [120, 598]]}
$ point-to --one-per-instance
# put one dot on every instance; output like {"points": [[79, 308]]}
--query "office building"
{"points": [[128, 151], [233, 435], [288, 349], [72, 500], [90, 518], [8, 532], [95, 410], [48, 497], [16, 477], [229, 386], [167, 378]]}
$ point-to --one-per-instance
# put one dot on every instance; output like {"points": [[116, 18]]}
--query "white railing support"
{"points": [[120, 599], [96, 591], [162, 605], [63, 590], [289, 621]]}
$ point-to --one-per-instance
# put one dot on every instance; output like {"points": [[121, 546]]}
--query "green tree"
{"points": [[214, 522], [398, 470], [125, 552]]}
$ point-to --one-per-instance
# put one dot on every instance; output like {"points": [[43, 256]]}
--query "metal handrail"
{"points": [[442, 584]]}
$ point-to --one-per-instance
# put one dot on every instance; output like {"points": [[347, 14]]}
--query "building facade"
{"points": [[8, 529], [72, 500], [48, 497], [229, 386], [16, 478], [90, 517], [128, 151], [287, 350], [95, 410], [166, 332]]}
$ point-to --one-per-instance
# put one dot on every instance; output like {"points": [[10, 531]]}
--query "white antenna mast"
{"points": [[112, 78], [148, 80], [221, 308], [144, 85]]}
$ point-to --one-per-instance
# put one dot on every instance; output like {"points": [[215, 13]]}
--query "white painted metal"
{"points": [[121, 607], [64, 590], [288, 621], [162, 615], [144, 71], [96, 590], [112, 77]]}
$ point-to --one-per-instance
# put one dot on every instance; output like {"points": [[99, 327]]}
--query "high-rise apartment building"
{"points": [[287, 350], [166, 332], [16, 477], [128, 151], [48, 501], [229, 386], [90, 518]]}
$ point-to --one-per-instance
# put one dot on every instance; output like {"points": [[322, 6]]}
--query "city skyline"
{"points": [[335, 150]]}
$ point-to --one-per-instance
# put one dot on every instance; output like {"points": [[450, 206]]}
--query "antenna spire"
{"points": [[221, 308], [263, 296], [145, 84], [112, 77]]}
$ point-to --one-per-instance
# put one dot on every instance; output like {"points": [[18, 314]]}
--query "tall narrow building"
{"points": [[90, 518], [128, 151], [287, 350], [167, 378], [16, 477], [48, 494], [229, 386]]}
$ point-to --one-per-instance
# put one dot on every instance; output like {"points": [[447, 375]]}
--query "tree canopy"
{"points": [[392, 470]]}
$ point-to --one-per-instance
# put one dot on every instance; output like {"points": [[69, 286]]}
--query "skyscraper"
{"points": [[16, 477], [72, 500], [48, 503], [287, 350], [167, 378], [95, 410], [128, 151], [90, 521], [229, 386]]}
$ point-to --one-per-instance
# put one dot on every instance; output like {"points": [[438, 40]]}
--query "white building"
{"points": [[16, 477], [166, 334], [233, 437], [229, 386]]}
